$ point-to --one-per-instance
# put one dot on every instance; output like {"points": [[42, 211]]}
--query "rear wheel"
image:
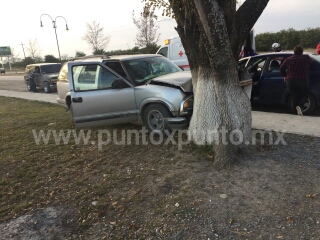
{"points": [[46, 87], [154, 118], [309, 105]]}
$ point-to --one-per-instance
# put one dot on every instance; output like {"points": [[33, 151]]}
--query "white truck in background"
{"points": [[174, 51]]}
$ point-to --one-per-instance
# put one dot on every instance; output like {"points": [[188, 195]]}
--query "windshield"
{"points": [[47, 69], [142, 70]]}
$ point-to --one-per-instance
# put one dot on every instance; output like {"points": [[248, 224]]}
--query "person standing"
{"points": [[32, 83], [295, 70], [318, 48]]}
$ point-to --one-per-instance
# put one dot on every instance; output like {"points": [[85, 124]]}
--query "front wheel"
{"points": [[309, 105], [154, 118], [28, 86], [47, 88]]}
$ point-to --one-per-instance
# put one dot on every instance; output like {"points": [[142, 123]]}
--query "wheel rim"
{"points": [[45, 88], [306, 104], [155, 120]]}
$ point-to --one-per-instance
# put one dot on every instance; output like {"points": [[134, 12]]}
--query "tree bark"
{"points": [[221, 117]]}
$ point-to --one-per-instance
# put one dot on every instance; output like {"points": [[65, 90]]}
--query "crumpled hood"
{"points": [[178, 79]]}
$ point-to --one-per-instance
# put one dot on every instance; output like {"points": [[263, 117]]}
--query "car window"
{"points": [[142, 70], [256, 63], [274, 66], [28, 69], [92, 77], [47, 69], [63, 74], [116, 66], [163, 51]]}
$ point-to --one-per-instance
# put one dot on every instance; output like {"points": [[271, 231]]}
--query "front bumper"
{"points": [[176, 123]]}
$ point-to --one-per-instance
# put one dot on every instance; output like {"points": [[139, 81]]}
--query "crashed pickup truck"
{"points": [[143, 89]]}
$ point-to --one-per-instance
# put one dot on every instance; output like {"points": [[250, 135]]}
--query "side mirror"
{"points": [[119, 83]]}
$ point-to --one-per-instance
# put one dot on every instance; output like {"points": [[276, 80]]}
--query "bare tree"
{"points": [[147, 35], [33, 49], [14, 56], [96, 37], [212, 33], [64, 57]]}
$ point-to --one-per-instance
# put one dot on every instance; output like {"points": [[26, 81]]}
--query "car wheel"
{"points": [[28, 86], [154, 118], [309, 105], [46, 87]]}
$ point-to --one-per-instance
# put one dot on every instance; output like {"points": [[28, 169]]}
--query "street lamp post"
{"points": [[54, 25]]}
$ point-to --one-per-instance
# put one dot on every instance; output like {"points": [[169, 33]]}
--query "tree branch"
{"points": [[246, 16]]}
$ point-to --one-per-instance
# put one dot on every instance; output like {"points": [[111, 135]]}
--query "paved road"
{"points": [[13, 82]]}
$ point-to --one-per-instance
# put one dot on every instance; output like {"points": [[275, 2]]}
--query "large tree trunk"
{"points": [[221, 117], [211, 33]]}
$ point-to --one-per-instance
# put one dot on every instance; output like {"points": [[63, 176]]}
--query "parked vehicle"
{"points": [[268, 83], [2, 69], [143, 89], [46, 79], [174, 51]]}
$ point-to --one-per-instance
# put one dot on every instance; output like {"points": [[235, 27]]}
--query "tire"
{"points": [[46, 87], [28, 86], [308, 105], [154, 118]]}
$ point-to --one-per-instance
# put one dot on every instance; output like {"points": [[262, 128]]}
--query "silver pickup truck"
{"points": [[144, 89]]}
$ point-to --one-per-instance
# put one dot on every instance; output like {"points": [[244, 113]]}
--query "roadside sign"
{"points": [[5, 51]]}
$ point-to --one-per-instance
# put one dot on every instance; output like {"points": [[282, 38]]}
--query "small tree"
{"points": [[98, 52], [80, 54], [51, 59], [33, 49], [147, 36], [95, 36]]}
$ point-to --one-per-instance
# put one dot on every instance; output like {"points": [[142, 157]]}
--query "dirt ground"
{"points": [[162, 193]]}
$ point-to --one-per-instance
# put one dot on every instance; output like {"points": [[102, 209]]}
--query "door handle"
{"points": [[77, 99]]}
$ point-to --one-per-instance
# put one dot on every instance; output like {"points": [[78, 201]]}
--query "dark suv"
{"points": [[46, 79]]}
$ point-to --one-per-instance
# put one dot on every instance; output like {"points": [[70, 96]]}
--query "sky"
{"points": [[21, 24]]}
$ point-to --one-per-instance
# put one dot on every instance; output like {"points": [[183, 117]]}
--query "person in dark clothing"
{"points": [[32, 75], [295, 70]]}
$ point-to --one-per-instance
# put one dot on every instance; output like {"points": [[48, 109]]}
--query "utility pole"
{"points": [[23, 50]]}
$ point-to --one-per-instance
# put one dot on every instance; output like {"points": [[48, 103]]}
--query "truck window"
{"points": [[163, 51]]}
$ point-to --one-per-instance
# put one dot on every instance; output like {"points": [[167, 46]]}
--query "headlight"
{"points": [[186, 105], [53, 80]]}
